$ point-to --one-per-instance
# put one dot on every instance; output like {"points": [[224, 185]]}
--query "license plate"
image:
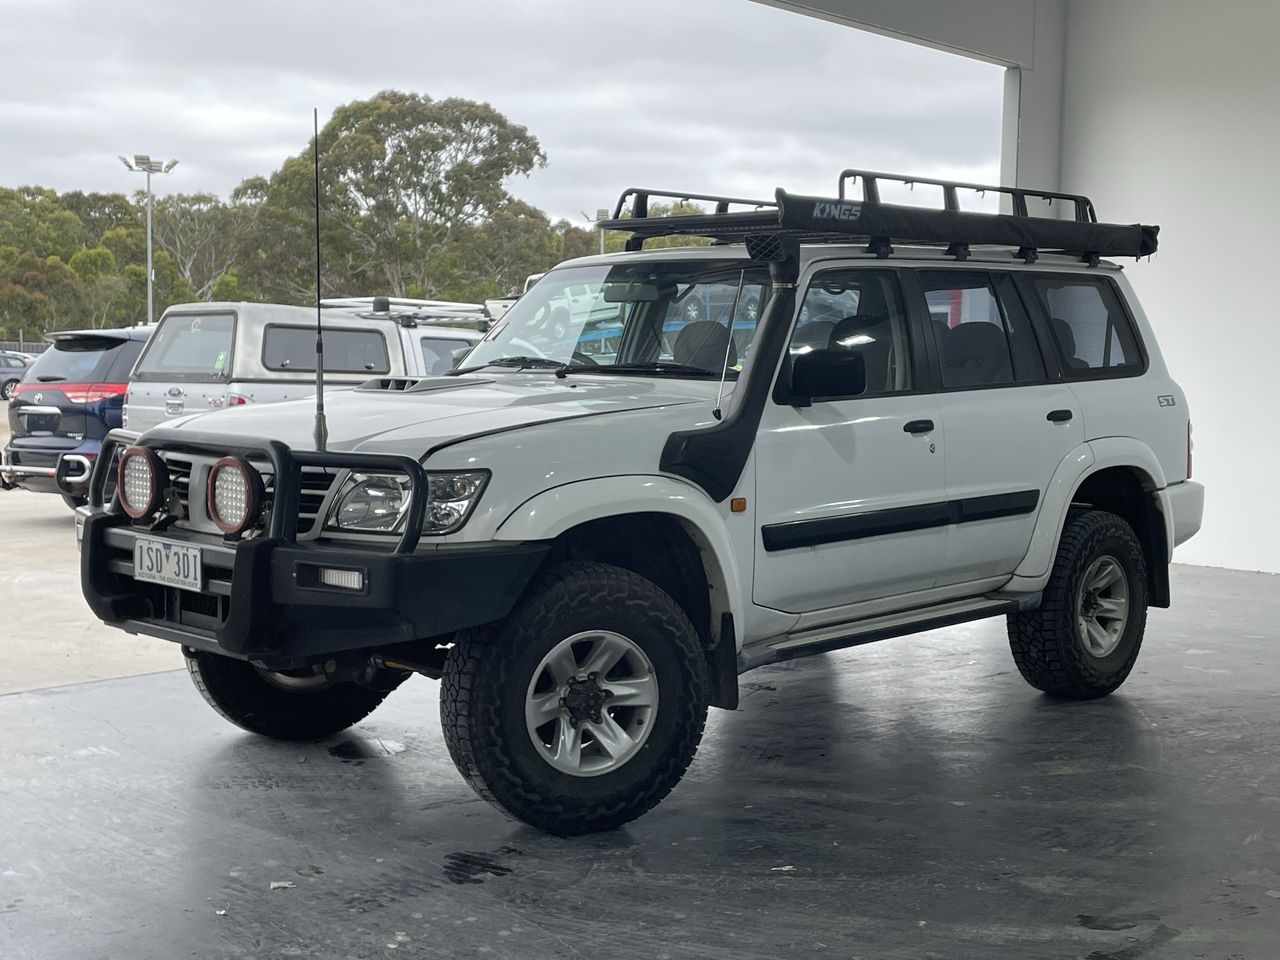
{"points": [[166, 562]]}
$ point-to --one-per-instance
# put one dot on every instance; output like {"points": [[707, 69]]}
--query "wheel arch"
{"points": [[668, 533], [1119, 474]]}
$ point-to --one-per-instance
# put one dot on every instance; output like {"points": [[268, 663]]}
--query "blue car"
{"points": [[66, 402]]}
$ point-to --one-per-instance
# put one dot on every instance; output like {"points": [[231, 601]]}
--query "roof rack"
{"points": [[806, 219], [374, 303]]}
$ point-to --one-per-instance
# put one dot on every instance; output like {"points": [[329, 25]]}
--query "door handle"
{"points": [[1059, 416], [917, 427]]}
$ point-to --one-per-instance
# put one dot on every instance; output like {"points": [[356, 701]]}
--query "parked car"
{"points": [[207, 356], [72, 395], [589, 548], [13, 366]]}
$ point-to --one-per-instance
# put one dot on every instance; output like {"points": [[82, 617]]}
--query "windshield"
{"points": [[687, 318]]}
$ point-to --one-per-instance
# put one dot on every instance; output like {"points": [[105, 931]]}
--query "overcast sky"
{"points": [[701, 95]]}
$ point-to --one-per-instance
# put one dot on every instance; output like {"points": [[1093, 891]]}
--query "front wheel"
{"points": [[278, 705], [581, 710], [1083, 639]]}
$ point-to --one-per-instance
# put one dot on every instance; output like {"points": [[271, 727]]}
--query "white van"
{"points": [[206, 356]]}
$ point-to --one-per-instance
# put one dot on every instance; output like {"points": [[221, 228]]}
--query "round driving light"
{"points": [[141, 479], [234, 495]]}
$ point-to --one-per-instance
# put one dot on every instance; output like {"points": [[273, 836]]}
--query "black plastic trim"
{"points": [[879, 523], [274, 616], [714, 458]]}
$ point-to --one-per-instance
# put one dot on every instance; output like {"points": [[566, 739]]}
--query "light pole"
{"points": [[601, 214], [144, 164]]}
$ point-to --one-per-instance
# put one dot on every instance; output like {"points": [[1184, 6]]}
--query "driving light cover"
{"points": [[234, 495], [141, 479]]}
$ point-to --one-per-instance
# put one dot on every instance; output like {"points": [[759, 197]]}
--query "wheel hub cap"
{"points": [[1102, 609], [584, 699], [591, 703]]}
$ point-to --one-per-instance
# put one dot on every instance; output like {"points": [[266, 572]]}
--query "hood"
{"points": [[443, 409]]}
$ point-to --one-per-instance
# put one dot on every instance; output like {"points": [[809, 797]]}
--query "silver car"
{"points": [[207, 356]]}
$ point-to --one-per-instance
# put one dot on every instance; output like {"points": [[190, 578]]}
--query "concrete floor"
{"points": [[909, 799], [903, 800]]}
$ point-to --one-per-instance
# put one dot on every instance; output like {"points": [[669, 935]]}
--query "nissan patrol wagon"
{"points": [[938, 416]]}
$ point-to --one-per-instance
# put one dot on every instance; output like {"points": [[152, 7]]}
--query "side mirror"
{"points": [[827, 375]]}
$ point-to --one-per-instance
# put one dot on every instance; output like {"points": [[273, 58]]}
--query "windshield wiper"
{"points": [[543, 363], [50, 379]]}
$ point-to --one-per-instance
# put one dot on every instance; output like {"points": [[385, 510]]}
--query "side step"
{"points": [[837, 636]]}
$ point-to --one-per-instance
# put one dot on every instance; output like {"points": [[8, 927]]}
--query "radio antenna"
{"points": [[718, 412], [322, 428]]}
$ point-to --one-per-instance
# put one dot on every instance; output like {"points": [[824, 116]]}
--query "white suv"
{"points": [[589, 546]]}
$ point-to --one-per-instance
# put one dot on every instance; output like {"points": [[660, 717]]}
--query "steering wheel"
{"points": [[526, 348]]}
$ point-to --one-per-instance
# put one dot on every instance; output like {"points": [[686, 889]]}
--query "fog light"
{"points": [[342, 579]]}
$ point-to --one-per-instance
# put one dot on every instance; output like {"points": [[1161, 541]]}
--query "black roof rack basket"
{"points": [[761, 224]]}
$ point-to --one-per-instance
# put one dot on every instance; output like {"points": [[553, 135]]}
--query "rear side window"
{"points": [[1091, 330], [187, 347], [440, 354], [973, 343], [345, 351], [124, 357], [76, 360]]}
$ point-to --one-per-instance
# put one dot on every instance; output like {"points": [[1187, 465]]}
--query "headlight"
{"points": [[141, 478], [371, 503], [378, 502]]}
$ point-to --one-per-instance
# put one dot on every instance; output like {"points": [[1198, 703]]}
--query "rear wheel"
{"points": [[283, 706], [6, 390], [583, 709], [1083, 639]]}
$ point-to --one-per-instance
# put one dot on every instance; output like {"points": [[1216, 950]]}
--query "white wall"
{"points": [[1171, 117]]}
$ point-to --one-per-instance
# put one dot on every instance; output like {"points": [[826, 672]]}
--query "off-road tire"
{"points": [[242, 695], [1046, 643], [487, 676]]}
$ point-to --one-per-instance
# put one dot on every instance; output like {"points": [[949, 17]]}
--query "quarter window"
{"points": [[861, 311], [1090, 329]]}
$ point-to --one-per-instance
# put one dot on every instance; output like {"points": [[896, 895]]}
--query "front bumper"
{"points": [[262, 599]]}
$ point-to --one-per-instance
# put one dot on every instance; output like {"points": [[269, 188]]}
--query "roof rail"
{"points": [[841, 220]]}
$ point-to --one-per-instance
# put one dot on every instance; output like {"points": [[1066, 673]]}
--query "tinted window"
{"points": [[188, 347], [1090, 329], [76, 360], [345, 351], [860, 311], [440, 355], [1028, 365], [973, 343], [123, 360]]}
